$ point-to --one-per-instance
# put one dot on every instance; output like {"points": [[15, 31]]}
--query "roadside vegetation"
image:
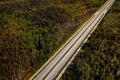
{"points": [[30, 30], [99, 58]]}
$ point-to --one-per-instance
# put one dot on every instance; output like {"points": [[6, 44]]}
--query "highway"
{"points": [[56, 65]]}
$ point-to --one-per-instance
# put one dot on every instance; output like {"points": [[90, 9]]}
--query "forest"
{"points": [[99, 58], [31, 31]]}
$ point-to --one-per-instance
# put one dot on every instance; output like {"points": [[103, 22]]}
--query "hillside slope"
{"points": [[30, 30]]}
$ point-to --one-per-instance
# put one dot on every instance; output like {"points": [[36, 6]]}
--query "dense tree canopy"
{"points": [[30, 30]]}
